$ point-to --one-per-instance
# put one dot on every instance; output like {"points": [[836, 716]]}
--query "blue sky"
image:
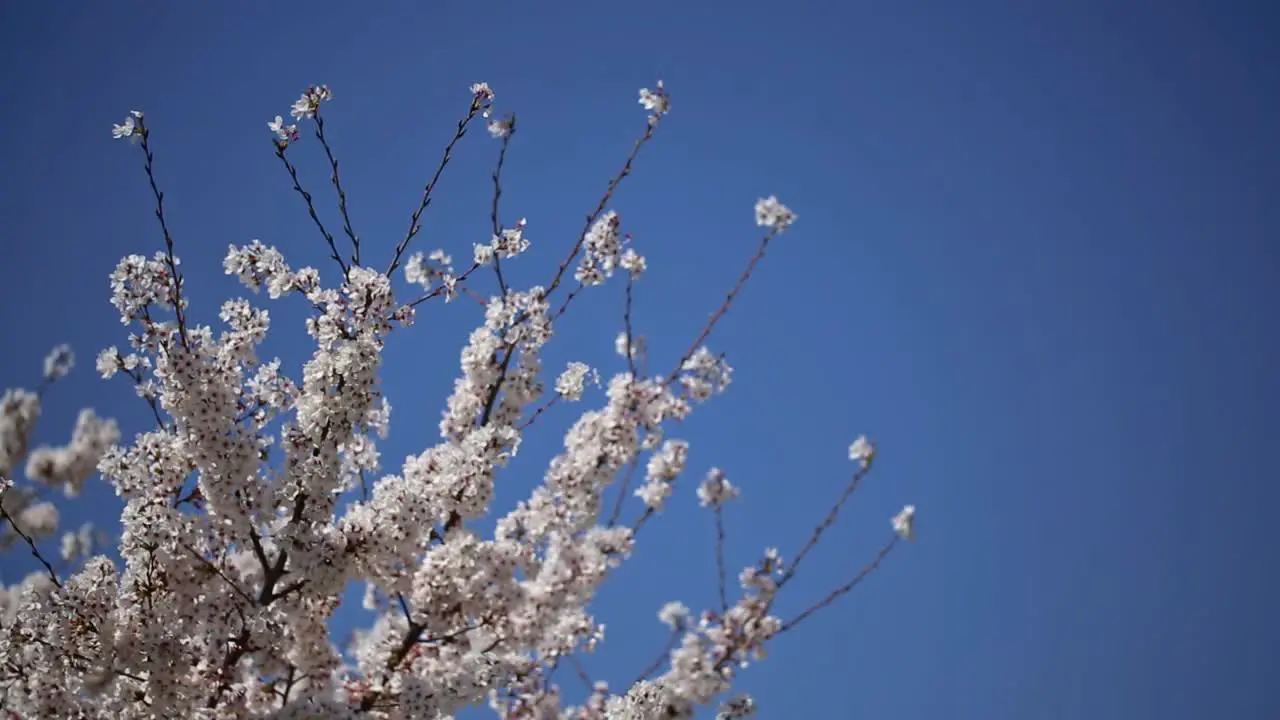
{"points": [[1033, 261]]}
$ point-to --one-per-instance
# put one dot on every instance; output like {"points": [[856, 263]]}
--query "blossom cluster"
{"points": [[28, 513], [236, 543]]}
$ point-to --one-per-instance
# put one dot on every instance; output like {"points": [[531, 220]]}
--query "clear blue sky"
{"points": [[1035, 259]]}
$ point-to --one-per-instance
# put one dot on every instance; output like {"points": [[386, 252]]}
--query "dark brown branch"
{"points": [[288, 685], [229, 661]]}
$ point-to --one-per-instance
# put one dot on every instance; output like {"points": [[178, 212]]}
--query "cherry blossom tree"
{"points": [[238, 534], [29, 510]]}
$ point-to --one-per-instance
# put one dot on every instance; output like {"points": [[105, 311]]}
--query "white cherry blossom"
{"points": [[259, 496]]}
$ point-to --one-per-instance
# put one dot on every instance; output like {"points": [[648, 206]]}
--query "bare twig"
{"points": [[657, 663], [843, 589], [724, 307], [170, 260], [720, 572], [538, 412], [604, 200], [31, 544], [626, 321], [497, 197], [337, 185], [414, 226], [311, 208], [581, 672], [826, 524]]}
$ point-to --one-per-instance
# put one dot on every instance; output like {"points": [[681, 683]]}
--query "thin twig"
{"points": [[311, 209], [170, 259], [497, 197], [662, 656], [538, 412], [622, 491], [843, 589], [826, 524], [150, 399], [604, 200], [337, 185], [581, 672], [31, 544], [635, 462], [209, 564], [626, 320], [724, 307], [414, 225], [720, 572], [443, 289]]}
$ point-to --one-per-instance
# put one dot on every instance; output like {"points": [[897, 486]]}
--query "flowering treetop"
{"points": [[235, 550]]}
